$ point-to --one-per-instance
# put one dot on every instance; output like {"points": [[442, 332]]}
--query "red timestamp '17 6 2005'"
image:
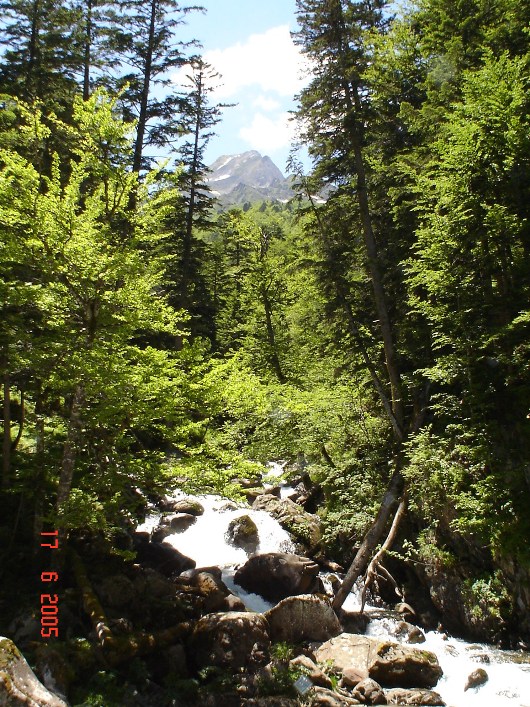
{"points": [[49, 603]]}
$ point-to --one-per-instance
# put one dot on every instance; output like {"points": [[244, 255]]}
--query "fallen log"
{"points": [[375, 568], [371, 539], [118, 649]]}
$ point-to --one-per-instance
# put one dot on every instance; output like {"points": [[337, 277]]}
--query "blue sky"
{"points": [[249, 44]]}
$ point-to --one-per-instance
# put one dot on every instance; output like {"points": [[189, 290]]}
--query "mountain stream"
{"points": [[508, 671]]}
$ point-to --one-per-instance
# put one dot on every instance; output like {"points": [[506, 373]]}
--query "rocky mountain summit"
{"points": [[248, 177]]}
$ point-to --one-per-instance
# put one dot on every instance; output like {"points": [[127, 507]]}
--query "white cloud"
{"points": [[268, 134], [269, 60], [266, 103]]}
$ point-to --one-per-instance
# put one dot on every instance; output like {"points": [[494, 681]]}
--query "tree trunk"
{"points": [[271, 336], [6, 445], [88, 51], [118, 649], [371, 539], [342, 298], [70, 450], [142, 118], [186, 265], [38, 522], [14, 443], [374, 268], [33, 48], [375, 567]]}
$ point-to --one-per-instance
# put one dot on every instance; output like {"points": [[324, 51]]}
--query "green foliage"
{"points": [[104, 689], [487, 597], [282, 674], [88, 283]]}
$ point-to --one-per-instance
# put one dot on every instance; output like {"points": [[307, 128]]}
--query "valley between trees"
{"points": [[378, 340]]}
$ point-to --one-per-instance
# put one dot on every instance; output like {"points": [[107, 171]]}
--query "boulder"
{"points": [[243, 532], [277, 575], [272, 701], [233, 640], [212, 590], [399, 696], [351, 677], [304, 527], [25, 627], [161, 557], [116, 591], [182, 505], [172, 523], [322, 697], [190, 574], [477, 678], [304, 664], [353, 621], [408, 633], [161, 533], [233, 603], [302, 618], [207, 584], [18, 682], [369, 692], [406, 611], [252, 494], [389, 663], [152, 584]]}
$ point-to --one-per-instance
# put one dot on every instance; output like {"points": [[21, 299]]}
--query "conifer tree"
{"points": [[41, 54], [198, 119], [145, 44]]}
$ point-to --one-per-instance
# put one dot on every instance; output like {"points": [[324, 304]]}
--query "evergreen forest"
{"points": [[377, 339]]}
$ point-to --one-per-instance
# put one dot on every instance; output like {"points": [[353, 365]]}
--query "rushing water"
{"points": [[204, 541]]}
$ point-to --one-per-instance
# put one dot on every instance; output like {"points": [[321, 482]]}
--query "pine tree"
{"points": [[144, 42], [197, 122], [41, 54]]}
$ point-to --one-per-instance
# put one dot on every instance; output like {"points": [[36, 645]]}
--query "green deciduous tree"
{"points": [[105, 392]]}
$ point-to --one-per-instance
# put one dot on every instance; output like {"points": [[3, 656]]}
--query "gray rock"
{"points": [[353, 621], [18, 682], [179, 522], [369, 692], [272, 701], [388, 663], [302, 618], [477, 678], [233, 640], [243, 532], [311, 669], [322, 697], [406, 611], [161, 533], [304, 527], [399, 696], [212, 590], [233, 603], [161, 557], [183, 505], [351, 677], [408, 632], [277, 575], [116, 591]]}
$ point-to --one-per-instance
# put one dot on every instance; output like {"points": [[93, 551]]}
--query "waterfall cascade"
{"points": [[508, 671]]}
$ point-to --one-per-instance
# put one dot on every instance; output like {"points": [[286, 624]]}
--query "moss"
{"points": [[8, 653]]}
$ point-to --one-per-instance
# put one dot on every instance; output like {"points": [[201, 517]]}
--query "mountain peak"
{"points": [[247, 176]]}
